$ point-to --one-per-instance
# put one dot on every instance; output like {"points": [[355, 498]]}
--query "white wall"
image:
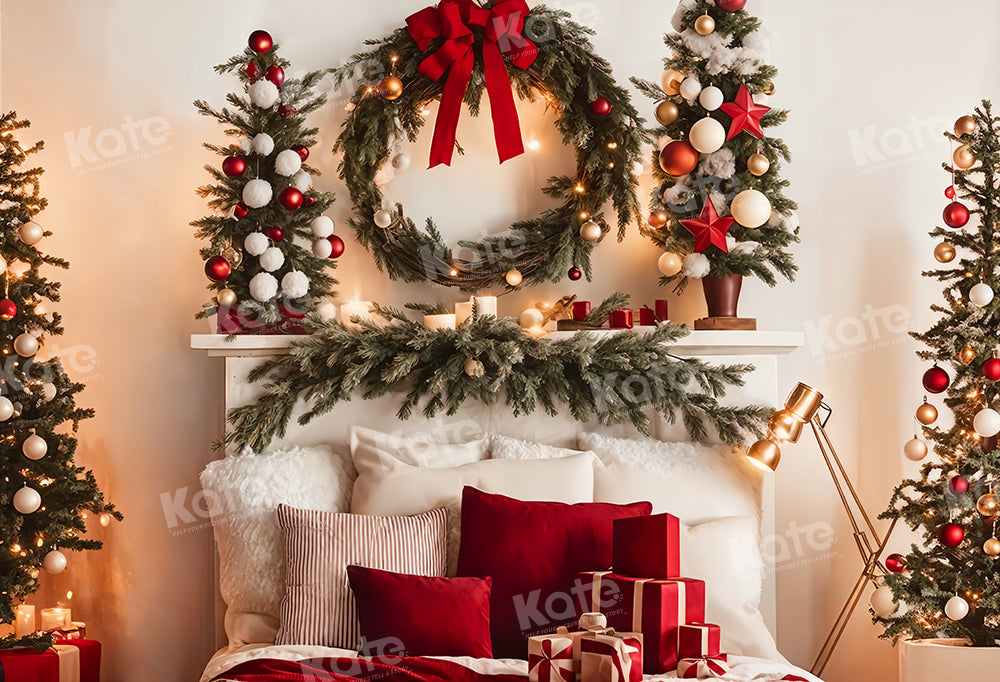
{"points": [[895, 72]]}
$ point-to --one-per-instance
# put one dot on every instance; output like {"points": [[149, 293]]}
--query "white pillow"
{"points": [[417, 449], [243, 493]]}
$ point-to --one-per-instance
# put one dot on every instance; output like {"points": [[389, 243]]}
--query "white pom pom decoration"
{"points": [[295, 284], [263, 144], [54, 562], [707, 135], [322, 227], [246, 145], [287, 163], [27, 500], [263, 287], [690, 88], [401, 161], [255, 243], [272, 258], [302, 181], [257, 193], [981, 294], [264, 93], [326, 310], [711, 98], [696, 265], [322, 248]]}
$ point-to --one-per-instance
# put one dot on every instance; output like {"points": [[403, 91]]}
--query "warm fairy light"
{"points": [[425, 112], [39, 542], [15, 548], [579, 188], [69, 594], [972, 394], [370, 90], [584, 215], [394, 59], [45, 482], [534, 145], [349, 107], [105, 519], [453, 272], [612, 145]]}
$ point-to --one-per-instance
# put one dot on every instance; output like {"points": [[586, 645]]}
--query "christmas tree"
{"points": [[950, 586], [44, 496], [719, 208], [264, 207]]}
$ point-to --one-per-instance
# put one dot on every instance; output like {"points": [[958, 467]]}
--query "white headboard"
{"points": [[762, 349]]}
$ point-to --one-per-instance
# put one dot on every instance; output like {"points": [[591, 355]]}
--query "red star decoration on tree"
{"points": [[746, 114], [708, 228]]}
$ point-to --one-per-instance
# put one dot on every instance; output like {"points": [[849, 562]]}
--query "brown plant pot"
{"points": [[722, 294]]}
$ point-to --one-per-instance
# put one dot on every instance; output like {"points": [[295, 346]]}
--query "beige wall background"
{"points": [[109, 85]]}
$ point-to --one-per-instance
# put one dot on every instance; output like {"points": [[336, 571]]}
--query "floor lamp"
{"points": [[802, 407]]}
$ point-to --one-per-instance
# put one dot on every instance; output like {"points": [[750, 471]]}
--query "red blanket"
{"points": [[346, 669]]}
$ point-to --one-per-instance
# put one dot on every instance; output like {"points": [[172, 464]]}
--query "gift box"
{"points": [[648, 546], [611, 658], [90, 658], [550, 658], [655, 608], [696, 640], [74, 631], [701, 668], [29, 665], [231, 321]]}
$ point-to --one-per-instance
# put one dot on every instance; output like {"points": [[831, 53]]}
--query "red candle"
{"points": [[647, 318], [661, 311], [621, 318], [580, 310]]}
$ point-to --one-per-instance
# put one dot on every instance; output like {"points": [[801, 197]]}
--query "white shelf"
{"points": [[697, 343]]}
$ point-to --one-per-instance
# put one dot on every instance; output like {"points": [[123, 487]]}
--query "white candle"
{"points": [[438, 322], [24, 620], [56, 617], [486, 305], [361, 309], [463, 311]]}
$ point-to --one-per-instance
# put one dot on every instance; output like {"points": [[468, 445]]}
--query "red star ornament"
{"points": [[708, 228], [746, 114]]}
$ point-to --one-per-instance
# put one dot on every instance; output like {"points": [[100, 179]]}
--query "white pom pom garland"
{"points": [[287, 163], [272, 259], [263, 287], [264, 93], [263, 144], [295, 284], [257, 193], [255, 243]]}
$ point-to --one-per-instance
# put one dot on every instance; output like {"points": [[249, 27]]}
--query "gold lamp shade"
{"points": [[765, 454], [803, 402], [785, 426]]}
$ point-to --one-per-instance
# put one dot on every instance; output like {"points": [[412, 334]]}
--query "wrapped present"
{"points": [[648, 546], [611, 658], [232, 321], [696, 640], [74, 631], [704, 667], [656, 608], [550, 658], [29, 665], [90, 658]]}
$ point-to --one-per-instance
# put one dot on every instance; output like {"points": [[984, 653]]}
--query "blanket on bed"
{"points": [[346, 669]]}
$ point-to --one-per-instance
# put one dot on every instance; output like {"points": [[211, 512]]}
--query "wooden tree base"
{"points": [[727, 323]]}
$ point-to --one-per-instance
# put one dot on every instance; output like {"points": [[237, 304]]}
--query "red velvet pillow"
{"points": [[533, 551], [412, 615]]}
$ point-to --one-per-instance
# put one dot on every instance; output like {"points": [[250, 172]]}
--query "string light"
{"points": [[579, 188], [584, 215], [105, 519], [612, 145]]}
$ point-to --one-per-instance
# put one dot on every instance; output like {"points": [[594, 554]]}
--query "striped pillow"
{"points": [[318, 607]]}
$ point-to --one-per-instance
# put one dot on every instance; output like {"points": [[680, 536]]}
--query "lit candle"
{"points": [[463, 311], [486, 305], [56, 617], [360, 309], [439, 322], [24, 620]]}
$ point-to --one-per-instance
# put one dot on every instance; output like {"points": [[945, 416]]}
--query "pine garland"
{"points": [[568, 76], [609, 377]]}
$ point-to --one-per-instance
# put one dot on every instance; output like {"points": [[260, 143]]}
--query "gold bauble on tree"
{"points": [[927, 414], [666, 112], [704, 25], [670, 264], [513, 277], [988, 505], [992, 547], [658, 219], [966, 355], [758, 164], [944, 252], [965, 126], [769, 88], [591, 232], [226, 298], [390, 87], [964, 158], [671, 82]]}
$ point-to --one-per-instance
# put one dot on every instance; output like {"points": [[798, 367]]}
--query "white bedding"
{"points": [[744, 669]]}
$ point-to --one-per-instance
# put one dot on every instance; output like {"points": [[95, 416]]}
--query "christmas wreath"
{"points": [[452, 53]]}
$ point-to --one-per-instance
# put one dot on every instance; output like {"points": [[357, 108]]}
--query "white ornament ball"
{"points": [[25, 345], [707, 135], [322, 227], [322, 248], [246, 145], [263, 144], [48, 392], [401, 161], [27, 500], [987, 423], [257, 193], [54, 562], [690, 88], [263, 287], [956, 608], [326, 310], [638, 168], [302, 181], [383, 218], [711, 98], [272, 259], [287, 163], [34, 447], [750, 208], [264, 93], [31, 233], [980, 294], [255, 243], [882, 602], [531, 318], [915, 449], [295, 284], [7, 407]]}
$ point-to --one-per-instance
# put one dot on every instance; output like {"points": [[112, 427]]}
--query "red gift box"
{"points": [[611, 658], [580, 310], [620, 319], [90, 658], [656, 608], [706, 666], [662, 311], [647, 318], [647, 546], [698, 640], [232, 322], [30, 665], [550, 659]]}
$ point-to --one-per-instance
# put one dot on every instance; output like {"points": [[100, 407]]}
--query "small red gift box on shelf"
{"points": [[621, 318], [662, 313], [647, 318], [231, 321], [580, 310], [647, 546], [697, 640]]}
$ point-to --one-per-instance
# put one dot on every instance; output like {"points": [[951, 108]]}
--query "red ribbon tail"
{"points": [[446, 126], [506, 127]]}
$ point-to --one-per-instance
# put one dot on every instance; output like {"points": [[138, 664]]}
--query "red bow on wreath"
{"points": [[503, 26]]}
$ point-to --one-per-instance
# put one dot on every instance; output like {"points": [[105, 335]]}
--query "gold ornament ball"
{"points": [[390, 88], [758, 164], [591, 232], [965, 126], [769, 88], [671, 82], [944, 252], [669, 264], [666, 112], [964, 158], [915, 449], [927, 414], [226, 298], [988, 505], [513, 277], [992, 547], [658, 219], [704, 25], [26, 345], [966, 355]]}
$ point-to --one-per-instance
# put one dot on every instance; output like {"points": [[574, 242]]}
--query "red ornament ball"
{"points": [[251, 71], [895, 563], [8, 309], [678, 158], [951, 535], [290, 198], [301, 150], [337, 245], [234, 166], [958, 485], [936, 380], [575, 274], [275, 74], [274, 234], [286, 110], [991, 369], [260, 42], [600, 106], [217, 268], [956, 214], [731, 5], [241, 211], [950, 192], [309, 201]]}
